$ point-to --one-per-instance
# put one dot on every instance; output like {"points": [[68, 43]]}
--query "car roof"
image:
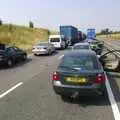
{"points": [[81, 53], [82, 43]]}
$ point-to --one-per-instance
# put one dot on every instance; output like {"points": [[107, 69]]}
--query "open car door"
{"points": [[111, 61]]}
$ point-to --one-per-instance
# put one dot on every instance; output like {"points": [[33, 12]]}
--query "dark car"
{"points": [[97, 46], [79, 72], [9, 55], [83, 73]]}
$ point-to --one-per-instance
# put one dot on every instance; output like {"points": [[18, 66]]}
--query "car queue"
{"points": [[82, 73]]}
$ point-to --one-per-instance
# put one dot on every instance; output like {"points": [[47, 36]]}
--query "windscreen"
{"points": [[80, 63], [55, 40]]}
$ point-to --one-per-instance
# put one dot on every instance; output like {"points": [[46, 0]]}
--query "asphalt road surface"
{"points": [[26, 94]]}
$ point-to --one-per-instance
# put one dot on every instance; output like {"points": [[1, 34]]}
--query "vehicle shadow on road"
{"points": [[88, 101], [46, 55], [16, 65]]}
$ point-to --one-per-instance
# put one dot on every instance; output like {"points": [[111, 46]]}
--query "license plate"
{"points": [[76, 80]]}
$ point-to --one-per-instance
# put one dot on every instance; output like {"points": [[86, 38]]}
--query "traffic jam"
{"points": [[81, 70]]}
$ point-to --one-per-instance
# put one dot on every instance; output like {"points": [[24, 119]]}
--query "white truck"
{"points": [[58, 41]]}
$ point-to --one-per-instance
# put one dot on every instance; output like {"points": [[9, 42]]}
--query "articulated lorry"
{"points": [[70, 34]]}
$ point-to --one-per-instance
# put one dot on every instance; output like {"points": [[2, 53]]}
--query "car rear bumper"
{"points": [[95, 90], [40, 52]]}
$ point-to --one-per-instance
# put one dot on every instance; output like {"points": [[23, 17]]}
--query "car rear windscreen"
{"points": [[81, 47], [55, 40], [79, 62]]}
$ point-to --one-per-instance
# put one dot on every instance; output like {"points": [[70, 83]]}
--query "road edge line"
{"points": [[111, 97]]}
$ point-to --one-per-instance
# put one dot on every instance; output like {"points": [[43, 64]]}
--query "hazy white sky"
{"points": [[52, 13]]}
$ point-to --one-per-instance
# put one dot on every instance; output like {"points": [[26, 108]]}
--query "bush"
{"points": [[1, 22], [31, 24]]}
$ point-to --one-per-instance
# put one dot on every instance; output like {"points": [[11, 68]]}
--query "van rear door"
{"points": [[56, 42]]}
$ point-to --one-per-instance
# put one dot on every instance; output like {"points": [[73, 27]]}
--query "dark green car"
{"points": [[79, 72]]}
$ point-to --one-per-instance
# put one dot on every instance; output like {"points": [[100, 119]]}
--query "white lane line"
{"points": [[60, 57], [10, 90], [113, 103]]}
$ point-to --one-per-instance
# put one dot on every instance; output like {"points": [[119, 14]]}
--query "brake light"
{"points": [[100, 79], [56, 76]]}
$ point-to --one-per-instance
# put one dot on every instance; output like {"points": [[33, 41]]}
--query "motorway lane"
{"points": [[114, 43], [22, 72], [114, 79], [35, 99]]}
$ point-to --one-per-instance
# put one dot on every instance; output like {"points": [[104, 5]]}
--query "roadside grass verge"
{"points": [[109, 37], [21, 36]]}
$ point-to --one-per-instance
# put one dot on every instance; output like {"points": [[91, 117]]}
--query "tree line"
{"points": [[31, 24], [107, 31]]}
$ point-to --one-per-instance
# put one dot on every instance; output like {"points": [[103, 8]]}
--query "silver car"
{"points": [[43, 48]]}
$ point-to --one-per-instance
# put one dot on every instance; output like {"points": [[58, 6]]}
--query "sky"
{"points": [[51, 14]]}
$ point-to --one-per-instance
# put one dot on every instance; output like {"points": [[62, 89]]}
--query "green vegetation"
{"points": [[109, 37], [107, 34], [114, 36], [54, 33], [22, 37]]}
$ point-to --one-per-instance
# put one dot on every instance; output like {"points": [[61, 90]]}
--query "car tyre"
{"points": [[10, 63], [104, 93], [66, 98], [24, 57], [50, 52]]}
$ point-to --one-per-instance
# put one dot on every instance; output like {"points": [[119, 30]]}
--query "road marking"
{"points": [[10, 90], [113, 103], [61, 57]]}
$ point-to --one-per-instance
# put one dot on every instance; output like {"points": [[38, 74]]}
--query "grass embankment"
{"points": [[109, 37], [23, 37]]}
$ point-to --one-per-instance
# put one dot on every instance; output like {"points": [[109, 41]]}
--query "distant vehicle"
{"points": [[80, 36], [97, 46], [70, 33], [58, 41], [43, 48], [9, 55], [82, 46], [79, 72], [91, 34]]}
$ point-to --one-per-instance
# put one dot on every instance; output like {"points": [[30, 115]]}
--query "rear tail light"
{"points": [[100, 79], [56, 76]]}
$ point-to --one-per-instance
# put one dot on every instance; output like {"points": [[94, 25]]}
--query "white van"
{"points": [[58, 41]]}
